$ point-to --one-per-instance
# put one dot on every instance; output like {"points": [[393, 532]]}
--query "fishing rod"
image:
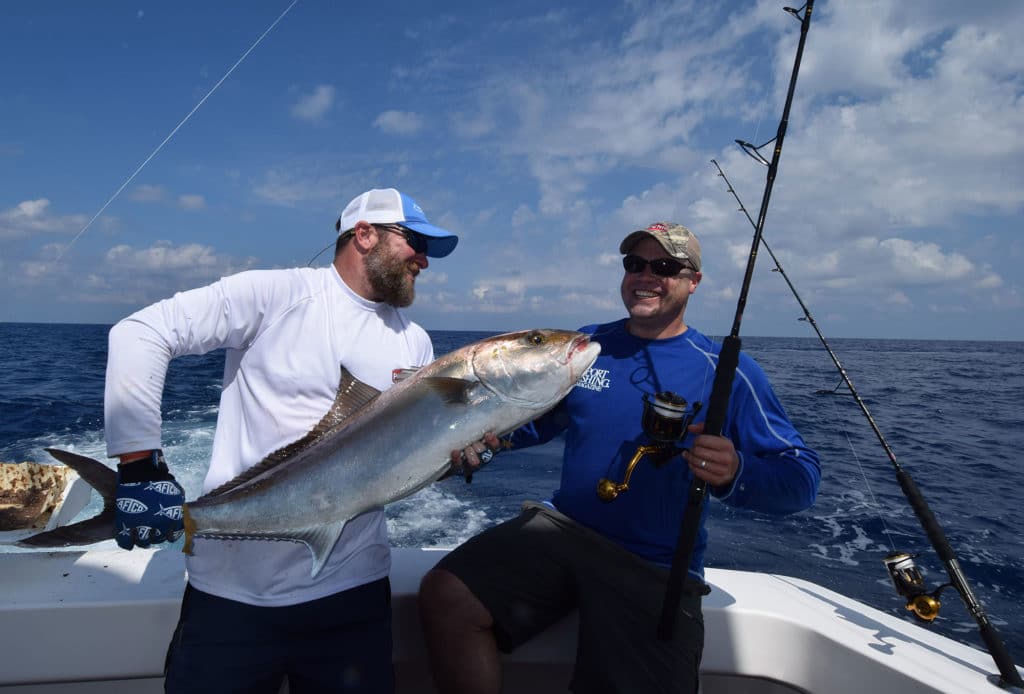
{"points": [[906, 577], [728, 358]]}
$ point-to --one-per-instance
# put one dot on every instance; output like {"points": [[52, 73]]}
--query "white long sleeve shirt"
{"points": [[287, 333]]}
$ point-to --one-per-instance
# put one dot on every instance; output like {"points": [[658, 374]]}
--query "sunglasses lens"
{"points": [[662, 267], [417, 242], [633, 263], [666, 267]]}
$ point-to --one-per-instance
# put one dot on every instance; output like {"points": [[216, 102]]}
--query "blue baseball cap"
{"points": [[389, 206]]}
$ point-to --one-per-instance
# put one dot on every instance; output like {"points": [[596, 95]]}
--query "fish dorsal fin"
{"points": [[353, 395]]}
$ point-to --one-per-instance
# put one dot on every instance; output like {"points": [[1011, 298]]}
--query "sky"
{"points": [[144, 151]]}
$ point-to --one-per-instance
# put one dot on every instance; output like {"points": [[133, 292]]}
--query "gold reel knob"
{"points": [[925, 607], [608, 490]]}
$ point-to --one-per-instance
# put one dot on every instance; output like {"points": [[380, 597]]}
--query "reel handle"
{"points": [[665, 419]]}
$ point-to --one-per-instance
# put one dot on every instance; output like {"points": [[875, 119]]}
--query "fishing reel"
{"points": [[664, 420], [909, 583]]}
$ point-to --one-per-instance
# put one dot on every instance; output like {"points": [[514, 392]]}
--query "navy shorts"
{"points": [[535, 569], [341, 643]]}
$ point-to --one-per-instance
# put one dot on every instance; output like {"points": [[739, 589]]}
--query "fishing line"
{"points": [[172, 133], [320, 252], [906, 577], [760, 117], [836, 417]]}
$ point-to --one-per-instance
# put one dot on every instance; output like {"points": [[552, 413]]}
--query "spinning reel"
{"points": [[665, 419], [909, 583]]}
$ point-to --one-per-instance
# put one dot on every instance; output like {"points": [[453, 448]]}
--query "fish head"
{"points": [[533, 368]]}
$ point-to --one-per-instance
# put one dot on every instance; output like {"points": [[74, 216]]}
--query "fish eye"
{"points": [[535, 338]]}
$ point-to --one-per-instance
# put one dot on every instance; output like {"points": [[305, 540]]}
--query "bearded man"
{"points": [[252, 615]]}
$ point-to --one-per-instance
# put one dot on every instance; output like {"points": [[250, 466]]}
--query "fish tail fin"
{"points": [[96, 529], [190, 529]]}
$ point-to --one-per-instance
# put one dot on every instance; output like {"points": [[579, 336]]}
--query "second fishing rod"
{"points": [[906, 577]]}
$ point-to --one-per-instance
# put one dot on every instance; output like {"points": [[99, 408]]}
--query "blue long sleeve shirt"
{"points": [[602, 421]]}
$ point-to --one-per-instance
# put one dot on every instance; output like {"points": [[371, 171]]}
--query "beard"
{"points": [[388, 276]]}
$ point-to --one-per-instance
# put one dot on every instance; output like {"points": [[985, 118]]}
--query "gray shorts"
{"points": [[537, 568]]}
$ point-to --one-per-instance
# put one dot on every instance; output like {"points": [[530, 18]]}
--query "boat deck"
{"points": [[100, 621]]}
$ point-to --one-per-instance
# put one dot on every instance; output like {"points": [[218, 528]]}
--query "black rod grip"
{"points": [[681, 560], [721, 389], [728, 360]]}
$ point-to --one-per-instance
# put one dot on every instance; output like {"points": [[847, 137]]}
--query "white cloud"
{"points": [[294, 184], [124, 277], [314, 106], [989, 281], [898, 298], [471, 126], [163, 256], [31, 217], [146, 192], [432, 278], [399, 122], [523, 216], [191, 202], [917, 262], [29, 209]]}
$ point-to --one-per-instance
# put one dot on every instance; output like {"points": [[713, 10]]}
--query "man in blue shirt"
{"points": [[610, 559]]}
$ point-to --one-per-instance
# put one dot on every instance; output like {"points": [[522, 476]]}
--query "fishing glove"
{"points": [[149, 501]]}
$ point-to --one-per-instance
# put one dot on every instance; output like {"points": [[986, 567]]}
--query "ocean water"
{"points": [[952, 411]]}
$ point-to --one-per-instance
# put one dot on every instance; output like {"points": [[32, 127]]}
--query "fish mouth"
{"points": [[579, 344]]}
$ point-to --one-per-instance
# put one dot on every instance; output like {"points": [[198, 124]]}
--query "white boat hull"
{"points": [[100, 621]]}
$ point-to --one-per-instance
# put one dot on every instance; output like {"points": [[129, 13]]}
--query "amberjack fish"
{"points": [[371, 448]]}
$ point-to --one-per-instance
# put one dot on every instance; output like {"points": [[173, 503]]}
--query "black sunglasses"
{"points": [[662, 267], [417, 242]]}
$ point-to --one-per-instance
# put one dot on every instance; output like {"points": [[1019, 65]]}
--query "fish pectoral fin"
{"points": [[451, 390], [321, 540]]}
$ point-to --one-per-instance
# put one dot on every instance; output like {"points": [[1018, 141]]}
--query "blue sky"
{"points": [[542, 133]]}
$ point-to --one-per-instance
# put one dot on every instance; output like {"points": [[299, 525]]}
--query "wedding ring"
{"points": [[703, 465]]}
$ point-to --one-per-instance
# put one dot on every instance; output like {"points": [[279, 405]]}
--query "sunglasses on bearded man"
{"points": [[417, 242]]}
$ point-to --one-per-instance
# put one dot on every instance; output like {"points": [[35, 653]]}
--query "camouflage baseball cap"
{"points": [[678, 241]]}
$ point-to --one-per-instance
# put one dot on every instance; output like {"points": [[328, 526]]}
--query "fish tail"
{"points": [[96, 529]]}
